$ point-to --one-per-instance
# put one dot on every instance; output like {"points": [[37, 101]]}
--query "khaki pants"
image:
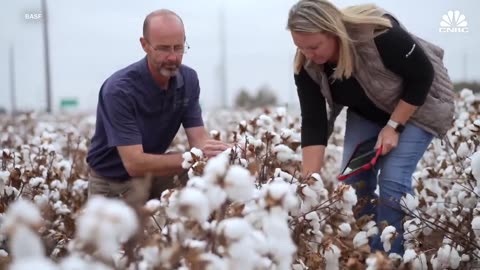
{"points": [[136, 191]]}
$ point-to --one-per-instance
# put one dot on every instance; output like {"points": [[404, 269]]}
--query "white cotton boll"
{"points": [[287, 134], [318, 186], [309, 198], [331, 255], [370, 224], [234, 228], [197, 152], [195, 244], [409, 203], [265, 122], [58, 184], [349, 199], [260, 242], [214, 133], [4, 176], [75, 262], [360, 239], [187, 160], [198, 183], [241, 255], [281, 111], [447, 241], [65, 166], [79, 186], [11, 191], [36, 263], [216, 167], [151, 254], [465, 258], [455, 259], [328, 229], [193, 203], [263, 263], [314, 220], [463, 150], [216, 197], [61, 208], [191, 173], [475, 165], [49, 148], [344, 229], [467, 199], [411, 232], [25, 244], [284, 176], [420, 262], [3, 253], [476, 226], [21, 212], [36, 181], [239, 184], [409, 255], [153, 205], [467, 95], [283, 153], [387, 237], [448, 171], [281, 191], [280, 243], [371, 263], [40, 200], [213, 262], [372, 231], [448, 257], [394, 257], [105, 223]]}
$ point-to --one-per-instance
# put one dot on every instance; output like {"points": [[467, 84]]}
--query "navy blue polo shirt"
{"points": [[132, 109]]}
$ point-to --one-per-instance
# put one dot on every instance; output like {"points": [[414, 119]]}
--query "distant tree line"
{"points": [[265, 96], [472, 85]]}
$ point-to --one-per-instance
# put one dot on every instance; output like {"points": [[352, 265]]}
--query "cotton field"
{"points": [[248, 208]]}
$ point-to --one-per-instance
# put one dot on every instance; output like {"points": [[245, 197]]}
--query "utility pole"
{"points": [[223, 56], [46, 53], [13, 97]]}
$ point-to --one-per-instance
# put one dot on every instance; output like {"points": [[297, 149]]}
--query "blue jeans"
{"points": [[395, 178]]}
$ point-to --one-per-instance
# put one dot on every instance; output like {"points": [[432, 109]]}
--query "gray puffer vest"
{"points": [[384, 88]]}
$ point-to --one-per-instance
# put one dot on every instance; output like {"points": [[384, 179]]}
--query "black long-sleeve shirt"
{"points": [[399, 54]]}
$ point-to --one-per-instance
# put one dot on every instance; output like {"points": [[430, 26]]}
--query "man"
{"points": [[140, 110]]}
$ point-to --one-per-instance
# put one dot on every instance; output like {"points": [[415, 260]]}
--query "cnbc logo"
{"points": [[453, 22]]}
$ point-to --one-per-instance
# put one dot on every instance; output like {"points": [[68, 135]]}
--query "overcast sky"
{"points": [[89, 40]]}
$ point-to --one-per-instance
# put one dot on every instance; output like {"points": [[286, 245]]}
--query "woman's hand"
{"points": [[388, 139]]}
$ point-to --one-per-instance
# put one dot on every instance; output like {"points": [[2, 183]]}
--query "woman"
{"points": [[394, 85]]}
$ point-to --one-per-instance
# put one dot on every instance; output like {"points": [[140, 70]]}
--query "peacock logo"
{"points": [[453, 22]]}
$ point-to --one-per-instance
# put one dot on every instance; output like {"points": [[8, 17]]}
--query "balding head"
{"points": [[164, 17], [164, 42]]}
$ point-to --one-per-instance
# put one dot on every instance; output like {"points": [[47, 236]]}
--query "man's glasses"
{"points": [[167, 49]]}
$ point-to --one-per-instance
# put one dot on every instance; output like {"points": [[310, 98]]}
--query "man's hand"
{"points": [[212, 148], [388, 138]]}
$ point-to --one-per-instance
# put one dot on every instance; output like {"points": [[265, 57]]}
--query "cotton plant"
{"points": [[387, 237], [446, 257], [259, 182], [332, 255], [105, 224], [21, 223]]}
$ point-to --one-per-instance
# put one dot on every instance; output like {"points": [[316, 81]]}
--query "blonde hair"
{"points": [[321, 16]]}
